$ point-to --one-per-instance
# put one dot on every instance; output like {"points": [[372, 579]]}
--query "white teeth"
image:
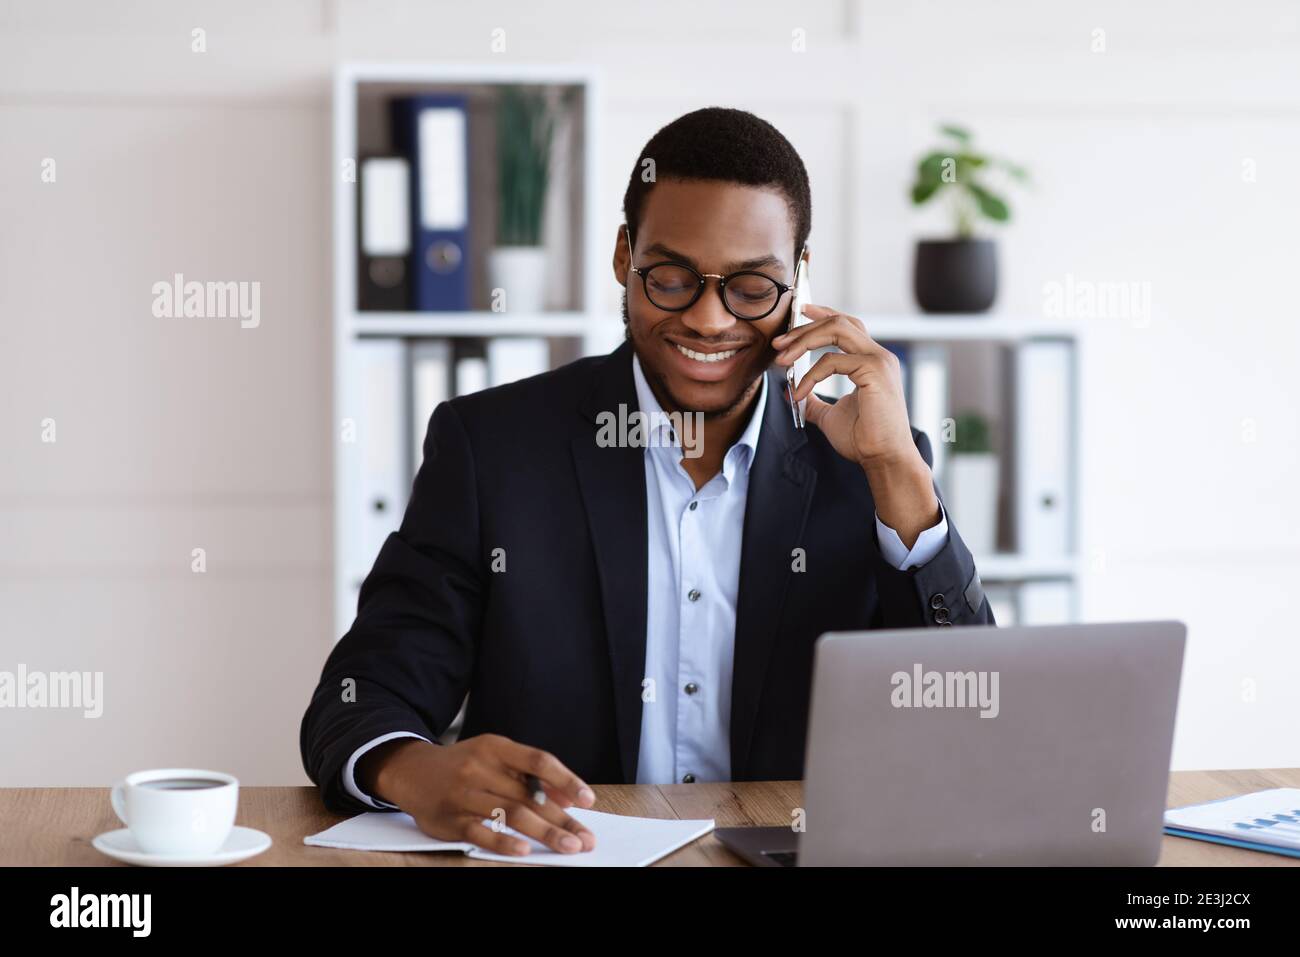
{"points": [[706, 356]]}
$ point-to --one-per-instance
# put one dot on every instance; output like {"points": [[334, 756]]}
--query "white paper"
{"points": [[621, 841], [1267, 817], [381, 831]]}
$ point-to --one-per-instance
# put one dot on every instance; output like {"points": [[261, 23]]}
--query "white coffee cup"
{"points": [[177, 810]]}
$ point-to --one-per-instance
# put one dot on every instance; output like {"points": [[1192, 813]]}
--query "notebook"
{"points": [[621, 841], [1262, 821]]}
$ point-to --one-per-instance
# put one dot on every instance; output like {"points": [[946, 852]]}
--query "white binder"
{"points": [[1045, 438], [1045, 603], [430, 385], [511, 359], [471, 375], [380, 457], [928, 401]]}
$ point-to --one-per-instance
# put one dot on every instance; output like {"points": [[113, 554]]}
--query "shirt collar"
{"points": [[748, 440]]}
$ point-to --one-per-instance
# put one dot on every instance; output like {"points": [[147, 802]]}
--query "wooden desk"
{"points": [[54, 826]]}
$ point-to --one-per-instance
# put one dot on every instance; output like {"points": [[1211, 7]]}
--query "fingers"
{"points": [[816, 410], [828, 328], [561, 783], [526, 818], [832, 363], [471, 828], [508, 787]]}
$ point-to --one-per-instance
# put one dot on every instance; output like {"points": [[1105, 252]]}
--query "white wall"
{"points": [[178, 434]]}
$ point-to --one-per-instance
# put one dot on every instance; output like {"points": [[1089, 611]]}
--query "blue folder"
{"points": [[440, 267]]}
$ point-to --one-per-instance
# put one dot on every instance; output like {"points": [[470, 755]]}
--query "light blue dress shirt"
{"points": [[694, 542]]}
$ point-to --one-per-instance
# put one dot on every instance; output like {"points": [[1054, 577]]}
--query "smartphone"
{"points": [[794, 374]]}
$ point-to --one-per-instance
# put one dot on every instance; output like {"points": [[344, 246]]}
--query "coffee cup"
{"points": [[177, 811]]}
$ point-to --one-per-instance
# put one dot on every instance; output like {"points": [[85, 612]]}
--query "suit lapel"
{"points": [[612, 483], [776, 510]]}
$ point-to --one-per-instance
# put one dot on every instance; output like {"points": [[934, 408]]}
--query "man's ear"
{"points": [[622, 256]]}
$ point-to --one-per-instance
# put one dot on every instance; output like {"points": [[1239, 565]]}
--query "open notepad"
{"points": [[1263, 821], [621, 841]]}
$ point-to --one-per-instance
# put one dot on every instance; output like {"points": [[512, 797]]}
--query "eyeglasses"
{"points": [[674, 287]]}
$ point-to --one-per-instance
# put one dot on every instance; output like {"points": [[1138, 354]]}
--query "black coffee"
{"points": [[181, 784]]}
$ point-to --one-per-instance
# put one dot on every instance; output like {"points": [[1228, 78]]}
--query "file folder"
{"points": [[384, 481], [431, 371], [1045, 427], [384, 240], [433, 133], [512, 359]]}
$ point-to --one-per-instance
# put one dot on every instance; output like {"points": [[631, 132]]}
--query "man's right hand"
{"points": [[452, 789]]}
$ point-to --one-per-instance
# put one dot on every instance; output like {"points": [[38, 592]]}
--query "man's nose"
{"points": [[707, 316]]}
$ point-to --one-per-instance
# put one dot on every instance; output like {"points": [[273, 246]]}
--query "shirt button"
{"points": [[936, 601], [693, 505], [688, 779], [693, 594], [691, 687]]}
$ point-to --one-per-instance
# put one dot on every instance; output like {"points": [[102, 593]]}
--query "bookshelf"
{"points": [[368, 499]]}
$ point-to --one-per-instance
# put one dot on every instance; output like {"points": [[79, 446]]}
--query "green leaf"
{"points": [[990, 205], [923, 191], [956, 132], [931, 166]]}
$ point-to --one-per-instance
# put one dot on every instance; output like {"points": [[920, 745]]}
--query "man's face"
{"points": [[715, 227]]}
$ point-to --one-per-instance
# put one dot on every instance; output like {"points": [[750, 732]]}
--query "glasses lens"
{"points": [[671, 287], [752, 294]]}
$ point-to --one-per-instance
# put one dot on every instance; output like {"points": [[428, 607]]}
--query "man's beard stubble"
{"points": [[660, 387]]}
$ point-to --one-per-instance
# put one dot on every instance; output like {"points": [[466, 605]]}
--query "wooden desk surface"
{"points": [[54, 826]]}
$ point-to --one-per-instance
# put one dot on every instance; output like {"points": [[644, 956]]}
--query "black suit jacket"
{"points": [[552, 649]]}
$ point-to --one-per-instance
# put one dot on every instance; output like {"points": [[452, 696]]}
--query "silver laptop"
{"points": [[984, 746]]}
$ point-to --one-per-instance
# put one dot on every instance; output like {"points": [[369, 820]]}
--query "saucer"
{"points": [[243, 843]]}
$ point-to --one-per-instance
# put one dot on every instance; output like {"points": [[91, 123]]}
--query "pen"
{"points": [[534, 788]]}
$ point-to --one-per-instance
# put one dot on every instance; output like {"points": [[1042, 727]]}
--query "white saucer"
{"points": [[243, 843]]}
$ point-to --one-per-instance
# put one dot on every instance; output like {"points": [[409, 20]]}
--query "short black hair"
{"points": [[734, 146]]}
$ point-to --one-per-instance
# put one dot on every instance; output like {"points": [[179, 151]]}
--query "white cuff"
{"points": [[349, 778], [928, 544]]}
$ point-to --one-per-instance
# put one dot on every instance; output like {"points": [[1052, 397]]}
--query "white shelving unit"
{"points": [[355, 86]]}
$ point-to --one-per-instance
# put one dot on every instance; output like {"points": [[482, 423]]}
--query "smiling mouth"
{"points": [[705, 356]]}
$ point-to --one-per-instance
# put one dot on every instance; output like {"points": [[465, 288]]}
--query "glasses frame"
{"points": [[641, 271]]}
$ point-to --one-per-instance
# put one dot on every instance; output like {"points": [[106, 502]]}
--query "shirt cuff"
{"points": [[928, 544], [349, 772]]}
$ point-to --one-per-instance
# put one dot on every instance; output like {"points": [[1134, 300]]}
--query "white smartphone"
{"points": [[794, 375]]}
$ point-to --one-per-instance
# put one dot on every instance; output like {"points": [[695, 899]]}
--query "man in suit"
{"points": [[625, 562]]}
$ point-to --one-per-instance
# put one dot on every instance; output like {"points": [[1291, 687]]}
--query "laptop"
{"points": [[1044, 745]]}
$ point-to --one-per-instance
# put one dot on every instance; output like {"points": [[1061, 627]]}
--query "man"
{"points": [[643, 609]]}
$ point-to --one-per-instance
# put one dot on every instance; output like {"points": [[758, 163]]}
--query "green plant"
{"points": [[971, 434], [525, 129], [959, 172]]}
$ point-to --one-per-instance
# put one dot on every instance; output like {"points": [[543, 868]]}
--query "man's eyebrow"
{"points": [[757, 263]]}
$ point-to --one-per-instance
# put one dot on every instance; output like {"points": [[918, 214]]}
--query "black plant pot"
{"points": [[956, 275]]}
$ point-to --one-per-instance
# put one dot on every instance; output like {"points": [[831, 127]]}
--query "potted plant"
{"points": [[960, 274], [973, 483], [516, 265]]}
